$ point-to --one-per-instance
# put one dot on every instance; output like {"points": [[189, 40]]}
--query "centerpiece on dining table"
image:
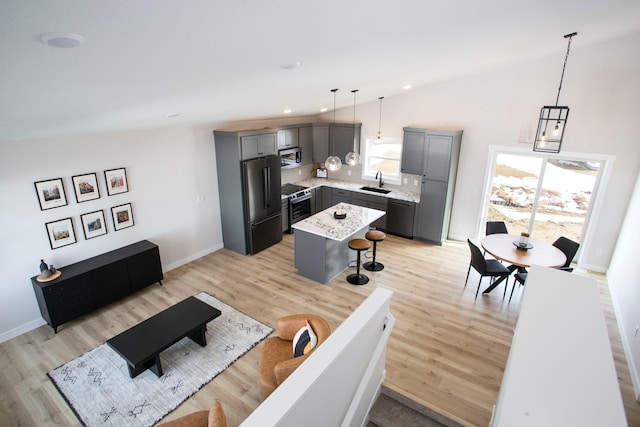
{"points": [[523, 244]]}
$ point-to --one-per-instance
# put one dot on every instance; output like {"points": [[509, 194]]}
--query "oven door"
{"points": [[299, 209]]}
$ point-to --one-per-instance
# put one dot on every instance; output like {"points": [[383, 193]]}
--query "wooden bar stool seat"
{"points": [[375, 236], [358, 245]]}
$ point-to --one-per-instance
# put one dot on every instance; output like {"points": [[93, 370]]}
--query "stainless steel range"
{"points": [[299, 202]]}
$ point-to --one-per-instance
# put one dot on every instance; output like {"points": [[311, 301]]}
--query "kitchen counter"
{"points": [[395, 193], [321, 241], [325, 225]]}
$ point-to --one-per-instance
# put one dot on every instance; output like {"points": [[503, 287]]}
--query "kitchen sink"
{"points": [[376, 190]]}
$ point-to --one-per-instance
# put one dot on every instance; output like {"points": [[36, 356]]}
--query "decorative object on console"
{"points": [[43, 266], [553, 115], [353, 158], [116, 180], [93, 224], [51, 193], [86, 187], [122, 216], [333, 162], [60, 233]]}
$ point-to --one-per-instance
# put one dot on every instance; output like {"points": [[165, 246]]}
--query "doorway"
{"points": [[543, 195]]}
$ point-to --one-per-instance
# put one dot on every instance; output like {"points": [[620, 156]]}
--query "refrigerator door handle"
{"points": [[266, 178]]}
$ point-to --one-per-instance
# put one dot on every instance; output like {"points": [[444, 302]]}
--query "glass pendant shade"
{"points": [[352, 158], [333, 163]]}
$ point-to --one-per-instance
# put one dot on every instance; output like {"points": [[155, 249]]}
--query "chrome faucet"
{"points": [[380, 183]]}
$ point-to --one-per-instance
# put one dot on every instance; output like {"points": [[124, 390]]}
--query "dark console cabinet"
{"points": [[87, 285]]}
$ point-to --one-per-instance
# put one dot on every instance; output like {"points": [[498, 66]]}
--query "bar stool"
{"points": [[358, 245], [375, 236]]}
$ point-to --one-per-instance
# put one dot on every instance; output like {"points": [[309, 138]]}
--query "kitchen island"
{"points": [[321, 241]]}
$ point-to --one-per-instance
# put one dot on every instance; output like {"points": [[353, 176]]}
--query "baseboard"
{"points": [[24, 328], [192, 257], [633, 371]]}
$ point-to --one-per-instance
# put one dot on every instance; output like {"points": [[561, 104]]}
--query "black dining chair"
{"points": [[568, 247], [496, 227], [485, 267]]}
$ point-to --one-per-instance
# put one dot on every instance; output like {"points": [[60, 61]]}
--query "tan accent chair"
{"points": [[214, 417], [276, 360]]}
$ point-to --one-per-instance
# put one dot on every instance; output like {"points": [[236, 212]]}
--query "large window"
{"points": [[382, 155], [547, 196]]}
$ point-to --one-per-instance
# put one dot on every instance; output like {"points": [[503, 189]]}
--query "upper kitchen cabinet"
{"points": [[305, 141], [320, 142], [344, 139], [287, 138], [257, 145], [334, 139], [429, 153]]}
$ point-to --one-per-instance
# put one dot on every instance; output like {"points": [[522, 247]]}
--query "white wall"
{"points": [[623, 285], [166, 170]]}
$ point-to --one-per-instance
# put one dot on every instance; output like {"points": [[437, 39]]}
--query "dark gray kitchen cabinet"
{"points": [[400, 215], [334, 139], [320, 142], [413, 146], [285, 215], [373, 202], [305, 142], [326, 197], [90, 284], [287, 138], [344, 139], [439, 163], [339, 195], [258, 145]]}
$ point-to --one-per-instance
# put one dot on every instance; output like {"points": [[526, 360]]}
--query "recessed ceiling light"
{"points": [[406, 87], [292, 65], [287, 111], [323, 109], [63, 40], [172, 115]]}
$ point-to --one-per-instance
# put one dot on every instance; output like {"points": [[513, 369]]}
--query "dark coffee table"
{"points": [[141, 345]]}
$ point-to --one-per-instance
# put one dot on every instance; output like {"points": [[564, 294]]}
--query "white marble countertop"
{"points": [[324, 224], [354, 186]]}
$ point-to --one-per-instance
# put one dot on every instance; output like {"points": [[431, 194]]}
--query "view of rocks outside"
{"points": [[564, 200]]}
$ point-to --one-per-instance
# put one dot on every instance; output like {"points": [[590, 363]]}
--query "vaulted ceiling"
{"points": [[226, 60]]}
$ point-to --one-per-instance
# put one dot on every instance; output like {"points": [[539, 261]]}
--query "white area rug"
{"points": [[98, 388]]}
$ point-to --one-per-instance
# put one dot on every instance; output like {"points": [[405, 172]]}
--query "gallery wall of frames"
{"points": [[51, 195]]}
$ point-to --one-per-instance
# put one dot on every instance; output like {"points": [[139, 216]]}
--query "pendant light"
{"points": [[553, 118], [380, 120], [333, 163], [353, 158]]}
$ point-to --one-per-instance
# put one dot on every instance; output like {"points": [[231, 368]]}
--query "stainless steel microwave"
{"points": [[290, 158]]}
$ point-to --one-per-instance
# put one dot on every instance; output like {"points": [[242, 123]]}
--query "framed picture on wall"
{"points": [[60, 233], [93, 224], [86, 187], [51, 193], [122, 216], [116, 180]]}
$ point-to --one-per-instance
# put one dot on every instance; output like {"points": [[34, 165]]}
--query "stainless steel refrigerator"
{"points": [[262, 202]]}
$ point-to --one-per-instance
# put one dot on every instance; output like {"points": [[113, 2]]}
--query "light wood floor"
{"points": [[447, 350]]}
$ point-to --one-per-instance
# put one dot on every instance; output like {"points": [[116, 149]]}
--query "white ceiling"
{"points": [[216, 61]]}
